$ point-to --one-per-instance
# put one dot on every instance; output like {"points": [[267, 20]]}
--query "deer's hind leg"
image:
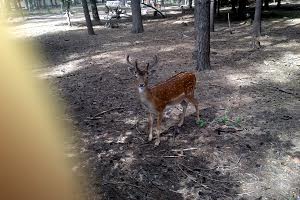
{"points": [[194, 101]]}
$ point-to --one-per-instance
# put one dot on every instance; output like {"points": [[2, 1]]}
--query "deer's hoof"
{"points": [[157, 142]]}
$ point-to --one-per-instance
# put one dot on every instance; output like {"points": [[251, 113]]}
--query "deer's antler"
{"points": [[135, 64], [128, 61], [149, 66]]}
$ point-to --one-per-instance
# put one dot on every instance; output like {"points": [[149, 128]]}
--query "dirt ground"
{"points": [[249, 145]]}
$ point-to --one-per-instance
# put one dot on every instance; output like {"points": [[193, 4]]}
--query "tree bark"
{"points": [[278, 4], [38, 4], [233, 5], [202, 24], [68, 5], [190, 3], [7, 5], [123, 2], [27, 5], [44, 4], [218, 7], [62, 5], [212, 15], [31, 4], [94, 9], [267, 7], [137, 23], [16, 5], [75, 2], [241, 9], [257, 19], [88, 21]]}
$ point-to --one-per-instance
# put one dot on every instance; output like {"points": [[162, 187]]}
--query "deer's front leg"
{"points": [[158, 131], [150, 121]]}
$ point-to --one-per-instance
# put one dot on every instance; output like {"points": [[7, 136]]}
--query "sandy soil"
{"points": [[250, 101]]}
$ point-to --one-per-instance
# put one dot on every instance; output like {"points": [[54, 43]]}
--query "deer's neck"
{"points": [[146, 98], [144, 93]]}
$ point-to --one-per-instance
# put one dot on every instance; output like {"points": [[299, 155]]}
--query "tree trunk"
{"points": [[212, 15], [20, 7], [267, 7], [55, 1], [95, 11], [233, 5], [241, 9], [15, 5], [137, 23], [68, 5], [44, 4], [62, 5], [87, 17], [257, 19], [51, 2], [38, 4], [27, 5], [34, 4], [190, 3], [278, 3], [19, 4], [123, 2], [31, 4], [202, 21], [7, 5], [218, 7], [179, 2]]}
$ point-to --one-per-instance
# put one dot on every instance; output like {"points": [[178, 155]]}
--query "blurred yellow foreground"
{"points": [[32, 163]]}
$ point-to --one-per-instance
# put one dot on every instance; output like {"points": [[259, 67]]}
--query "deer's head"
{"points": [[141, 73]]}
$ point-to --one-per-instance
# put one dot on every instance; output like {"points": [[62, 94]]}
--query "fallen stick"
{"points": [[284, 91], [215, 180], [178, 156], [188, 175], [97, 116], [188, 149], [122, 183]]}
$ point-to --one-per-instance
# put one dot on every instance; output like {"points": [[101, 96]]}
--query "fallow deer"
{"points": [[179, 89]]}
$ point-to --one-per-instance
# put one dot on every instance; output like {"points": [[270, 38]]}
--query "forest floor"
{"points": [[248, 146]]}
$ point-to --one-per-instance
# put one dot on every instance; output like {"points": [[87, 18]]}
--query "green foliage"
{"points": [[201, 123], [225, 120]]}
